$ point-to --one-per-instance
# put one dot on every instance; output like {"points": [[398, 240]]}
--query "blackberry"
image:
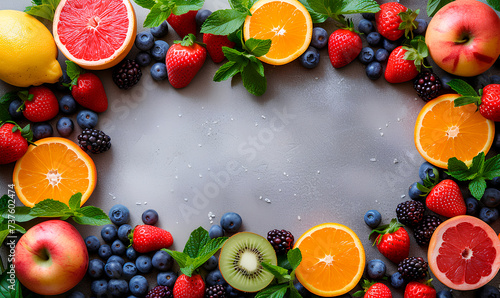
{"points": [[160, 292], [427, 84], [281, 240], [423, 232], [94, 140], [410, 213], [127, 74], [413, 268], [215, 291]]}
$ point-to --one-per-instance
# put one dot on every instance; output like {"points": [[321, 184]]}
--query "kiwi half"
{"points": [[240, 258]]}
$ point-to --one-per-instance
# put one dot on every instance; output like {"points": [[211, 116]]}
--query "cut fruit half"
{"points": [[56, 168], [333, 259], [95, 34], [286, 23], [443, 131], [240, 261], [464, 253]]}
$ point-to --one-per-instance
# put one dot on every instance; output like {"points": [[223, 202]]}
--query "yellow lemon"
{"points": [[29, 52]]}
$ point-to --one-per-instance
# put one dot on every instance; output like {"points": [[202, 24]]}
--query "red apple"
{"points": [[463, 37], [51, 258]]}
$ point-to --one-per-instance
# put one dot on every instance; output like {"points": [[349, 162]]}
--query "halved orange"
{"points": [[286, 23], [56, 168], [95, 34], [333, 259], [443, 131]]}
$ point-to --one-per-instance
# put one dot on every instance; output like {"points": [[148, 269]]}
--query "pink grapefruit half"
{"points": [[464, 253], [95, 34]]}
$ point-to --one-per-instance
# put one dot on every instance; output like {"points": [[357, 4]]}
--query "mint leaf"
{"points": [[49, 208], [477, 165], [4, 202], [494, 3], [90, 215], [73, 71], [462, 88], [434, 5], [234, 55], [226, 71], [294, 293], [197, 240], [224, 22], [145, 3], [180, 257], [458, 169], [492, 167], [253, 81], [8, 97], [277, 291], [21, 214], [212, 247], [335, 8], [294, 257], [43, 11], [477, 187], [242, 5], [316, 17], [8, 228], [258, 47], [184, 6], [465, 100], [277, 271], [75, 201], [257, 65], [159, 13]]}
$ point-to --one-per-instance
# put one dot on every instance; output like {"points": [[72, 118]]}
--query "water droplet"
{"points": [[373, 159]]}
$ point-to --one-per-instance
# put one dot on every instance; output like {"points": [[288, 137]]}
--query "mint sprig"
{"points": [[284, 277], [321, 10], [434, 5], [198, 249], [479, 171], [224, 21], [160, 10], [43, 8], [467, 93]]}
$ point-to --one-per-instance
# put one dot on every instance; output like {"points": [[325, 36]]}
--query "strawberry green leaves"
{"points": [[321, 10], [160, 10], [417, 51], [43, 8]]}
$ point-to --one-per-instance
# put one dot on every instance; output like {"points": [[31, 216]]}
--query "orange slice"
{"points": [[443, 131], [333, 259], [286, 23], [95, 34], [56, 168]]}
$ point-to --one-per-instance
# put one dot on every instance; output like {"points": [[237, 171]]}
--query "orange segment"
{"points": [[56, 168], [286, 22], [333, 259], [443, 131]]}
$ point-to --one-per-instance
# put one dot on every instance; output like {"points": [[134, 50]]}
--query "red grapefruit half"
{"points": [[464, 253], [95, 34]]}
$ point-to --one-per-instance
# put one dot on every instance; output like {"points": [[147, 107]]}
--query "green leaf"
{"points": [[4, 202], [196, 241], [477, 187], [257, 65], [7, 288], [294, 257], [73, 71], [157, 15], [492, 167], [224, 22], [90, 215], [8, 97], [241, 5], [462, 88], [4, 113], [358, 6], [253, 81], [258, 47], [465, 100], [294, 293], [75, 201], [3, 234], [184, 6], [234, 55], [277, 271], [44, 11], [145, 3], [180, 257], [273, 291], [212, 247], [434, 5], [494, 3], [226, 71], [477, 165], [49, 208], [21, 214], [316, 17], [458, 169]]}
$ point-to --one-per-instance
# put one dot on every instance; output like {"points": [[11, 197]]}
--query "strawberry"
{"points": [[446, 199], [40, 104], [393, 241], [13, 141], [374, 290], [416, 289], [214, 46], [147, 238], [189, 287], [393, 20], [184, 59], [404, 62], [183, 24], [344, 45], [87, 89], [487, 101]]}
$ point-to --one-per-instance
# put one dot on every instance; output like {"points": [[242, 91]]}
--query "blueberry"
{"points": [[96, 268], [488, 291], [365, 26], [302, 290], [159, 71], [42, 130], [445, 294], [159, 50], [373, 38], [215, 231], [117, 287], [119, 214], [381, 55], [374, 70], [373, 218], [472, 206], [143, 59], [105, 251], [99, 287], [488, 215], [414, 193], [389, 45], [113, 269], [162, 261], [14, 107], [123, 232], [494, 79], [397, 280], [144, 264], [166, 279], [445, 79], [375, 269], [76, 294], [426, 169], [65, 126], [138, 285], [87, 119], [421, 28], [131, 253], [491, 197], [67, 104], [115, 258], [495, 182], [369, 16], [144, 40], [129, 270], [201, 16], [230, 222], [109, 233], [150, 217], [211, 263], [366, 55], [319, 38], [161, 30], [310, 58], [118, 248], [92, 244], [214, 277]]}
